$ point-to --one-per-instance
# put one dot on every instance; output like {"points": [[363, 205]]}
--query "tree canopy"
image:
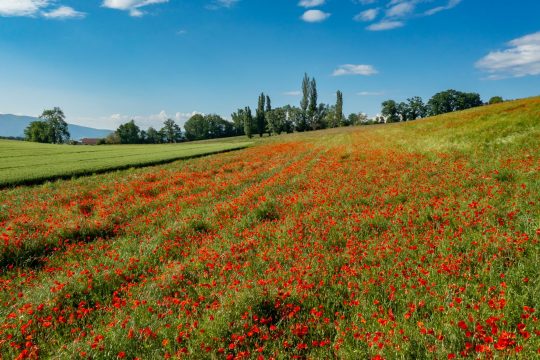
{"points": [[52, 128]]}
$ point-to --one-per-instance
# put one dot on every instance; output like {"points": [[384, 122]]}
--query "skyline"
{"points": [[106, 62]]}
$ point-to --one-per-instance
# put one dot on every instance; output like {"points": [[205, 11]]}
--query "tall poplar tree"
{"points": [[312, 107], [248, 122], [261, 121], [339, 109], [304, 103]]}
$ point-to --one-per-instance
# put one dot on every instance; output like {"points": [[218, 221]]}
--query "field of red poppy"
{"points": [[407, 241]]}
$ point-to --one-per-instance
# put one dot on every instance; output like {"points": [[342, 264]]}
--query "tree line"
{"points": [[309, 115], [441, 103]]}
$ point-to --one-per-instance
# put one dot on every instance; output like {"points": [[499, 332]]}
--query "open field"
{"points": [[25, 162], [407, 241]]}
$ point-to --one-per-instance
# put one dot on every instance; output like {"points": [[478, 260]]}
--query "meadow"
{"points": [[408, 241], [31, 163]]}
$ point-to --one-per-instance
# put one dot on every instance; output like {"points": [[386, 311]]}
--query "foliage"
{"points": [[278, 121], [37, 131], [452, 100], [201, 127], [495, 100], [51, 129], [260, 118], [390, 111], [170, 132], [129, 133], [340, 118], [248, 122], [238, 119]]}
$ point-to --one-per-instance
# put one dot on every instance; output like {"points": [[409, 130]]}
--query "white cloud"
{"points": [[143, 121], [313, 16], [385, 25], [451, 4], [311, 3], [350, 69], [367, 15], [218, 4], [293, 93], [401, 9], [22, 7], [133, 6], [64, 12], [522, 58], [370, 93]]}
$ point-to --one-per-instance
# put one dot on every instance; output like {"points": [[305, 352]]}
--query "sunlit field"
{"points": [[27, 163], [410, 241]]}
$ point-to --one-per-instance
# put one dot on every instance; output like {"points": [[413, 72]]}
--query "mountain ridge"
{"points": [[14, 125]]}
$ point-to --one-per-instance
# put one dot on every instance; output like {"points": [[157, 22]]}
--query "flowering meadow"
{"points": [[407, 241]]}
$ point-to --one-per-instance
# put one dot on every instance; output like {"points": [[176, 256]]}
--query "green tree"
{"points": [[57, 126], [390, 111], [196, 128], [238, 121], [495, 100], [340, 118], [248, 122], [302, 125], [259, 115], [171, 132], [451, 100], [313, 106], [295, 118], [37, 131], [403, 111], [357, 119], [330, 117], [129, 133], [268, 104], [277, 120], [417, 108], [153, 136]]}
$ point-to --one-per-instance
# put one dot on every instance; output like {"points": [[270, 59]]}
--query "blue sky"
{"points": [[107, 61]]}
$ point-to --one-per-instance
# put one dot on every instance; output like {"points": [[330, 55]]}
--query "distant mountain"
{"points": [[14, 125]]}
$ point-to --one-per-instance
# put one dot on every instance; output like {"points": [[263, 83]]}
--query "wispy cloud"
{"points": [[451, 4], [350, 69], [311, 3], [385, 25], [219, 4], [134, 7], [367, 15], [522, 58], [370, 93], [293, 93], [398, 12], [64, 12], [401, 9], [314, 16]]}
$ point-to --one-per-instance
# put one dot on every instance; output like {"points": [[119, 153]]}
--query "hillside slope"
{"points": [[406, 241]]}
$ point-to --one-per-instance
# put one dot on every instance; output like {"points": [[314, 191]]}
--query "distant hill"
{"points": [[14, 125]]}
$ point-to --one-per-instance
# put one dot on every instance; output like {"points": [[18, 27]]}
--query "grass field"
{"points": [[24, 162], [407, 241]]}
